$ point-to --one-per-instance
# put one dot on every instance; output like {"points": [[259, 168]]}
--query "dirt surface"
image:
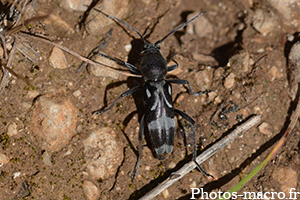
{"points": [[262, 89]]}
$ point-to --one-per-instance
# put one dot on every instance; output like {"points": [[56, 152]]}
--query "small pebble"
{"points": [[263, 21], [212, 96], [202, 27], [290, 37], [91, 191], [229, 81], [240, 62], [193, 184], [275, 73], [12, 130], [264, 128], [96, 21], [204, 78], [172, 165], [57, 59], [128, 47], [165, 194], [77, 93], [47, 158], [16, 174], [32, 94]]}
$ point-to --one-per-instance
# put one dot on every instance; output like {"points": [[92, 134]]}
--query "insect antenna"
{"points": [[179, 27], [117, 19]]}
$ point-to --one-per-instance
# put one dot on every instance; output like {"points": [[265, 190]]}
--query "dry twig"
{"points": [[201, 158]]}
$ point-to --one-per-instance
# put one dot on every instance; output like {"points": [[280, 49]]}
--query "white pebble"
{"points": [[128, 47], [77, 93], [165, 193]]}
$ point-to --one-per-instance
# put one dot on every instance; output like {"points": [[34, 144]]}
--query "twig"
{"points": [[201, 158], [77, 55]]}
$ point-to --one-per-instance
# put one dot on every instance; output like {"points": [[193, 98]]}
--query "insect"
{"points": [[157, 97]]}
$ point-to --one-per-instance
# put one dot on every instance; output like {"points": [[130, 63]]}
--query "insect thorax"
{"points": [[153, 65]]}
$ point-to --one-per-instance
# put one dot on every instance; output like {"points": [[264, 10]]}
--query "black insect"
{"points": [[157, 98]]}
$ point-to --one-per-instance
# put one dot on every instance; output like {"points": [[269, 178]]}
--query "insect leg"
{"points": [[172, 67], [182, 82], [131, 67], [125, 94], [189, 119], [141, 134]]}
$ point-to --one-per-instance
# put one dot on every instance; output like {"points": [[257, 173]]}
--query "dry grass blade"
{"points": [[9, 25], [78, 55], [4, 78], [202, 157]]}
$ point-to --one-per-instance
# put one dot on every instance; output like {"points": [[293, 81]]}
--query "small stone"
{"points": [[128, 47], [193, 184], [218, 100], [290, 37], [77, 93], [16, 174], [77, 5], [97, 21], [286, 177], [57, 59], [264, 22], [102, 71], [47, 158], [53, 121], [165, 194], [32, 94], [201, 27], [240, 62], [229, 81], [204, 78], [264, 128], [172, 165], [90, 190], [274, 73], [212, 96], [260, 50], [12, 130], [103, 153], [3, 160], [218, 73]]}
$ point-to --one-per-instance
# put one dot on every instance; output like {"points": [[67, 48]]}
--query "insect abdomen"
{"points": [[160, 116]]}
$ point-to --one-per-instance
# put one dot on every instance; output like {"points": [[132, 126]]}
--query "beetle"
{"points": [[159, 116]]}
